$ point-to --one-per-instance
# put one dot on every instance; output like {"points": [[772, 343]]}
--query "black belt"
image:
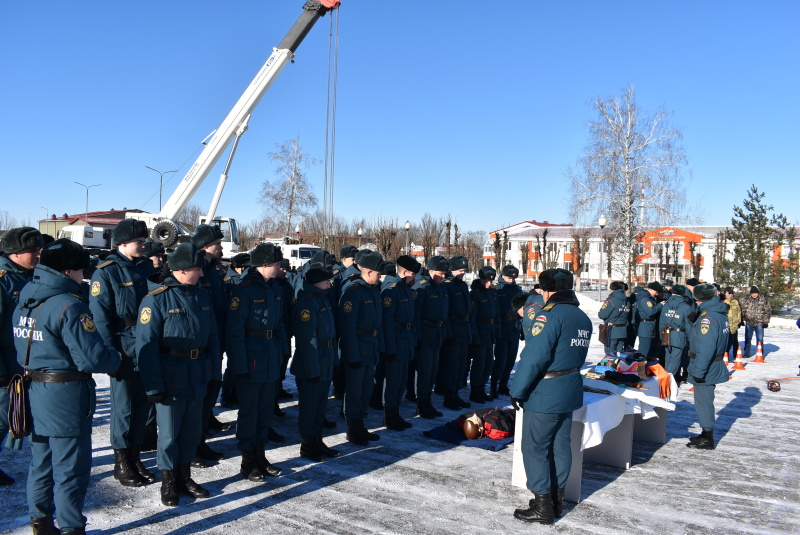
{"points": [[618, 324], [259, 334], [126, 322], [716, 359], [368, 332], [326, 343], [559, 373], [406, 326], [675, 329], [647, 320], [438, 323], [455, 316], [58, 377], [190, 354]]}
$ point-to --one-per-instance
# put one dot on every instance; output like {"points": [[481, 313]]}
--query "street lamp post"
{"points": [[160, 182], [359, 232], [602, 222], [297, 231], [408, 227], [86, 213]]}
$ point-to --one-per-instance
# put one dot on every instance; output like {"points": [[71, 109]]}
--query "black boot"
{"points": [[204, 451], [5, 479], [169, 489], [540, 509], [249, 468], [451, 401], [464, 404], [476, 396], [145, 474], [329, 452], [187, 485], [703, 442], [274, 436], [124, 471], [392, 420], [355, 433], [557, 496], [150, 442], [266, 468], [375, 401], [493, 392], [310, 449], [216, 425], [44, 526], [76, 531], [504, 391], [328, 424]]}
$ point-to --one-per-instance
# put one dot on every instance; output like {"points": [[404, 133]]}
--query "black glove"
{"points": [[354, 365], [313, 379], [388, 356], [698, 380], [516, 403], [243, 376], [155, 398], [692, 316]]}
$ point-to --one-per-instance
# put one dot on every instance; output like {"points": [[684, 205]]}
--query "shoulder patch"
{"points": [[87, 323], [158, 290], [305, 314], [234, 303], [537, 328], [2, 272], [387, 301], [144, 316], [348, 306], [95, 288], [105, 264], [605, 304]]}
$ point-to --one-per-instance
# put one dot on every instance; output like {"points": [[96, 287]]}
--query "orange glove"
{"points": [[663, 377]]}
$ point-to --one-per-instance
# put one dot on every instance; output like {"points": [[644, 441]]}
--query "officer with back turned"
{"points": [[549, 387], [455, 352], [674, 322], [648, 310], [21, 249], [507, 344], [614, 312], [118, 286], [486, 321]]}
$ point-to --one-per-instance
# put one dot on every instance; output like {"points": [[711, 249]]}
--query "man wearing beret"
{"points": [[507, 344], [455, 352], [209, 239], [256, 342], [756, 313], [58, 343], [648, 310], [431, 316], [117, 288], [21, 249], [707, 343], [360, 329], [549, 387], [615, 312], [399, 336], [486, 322]]}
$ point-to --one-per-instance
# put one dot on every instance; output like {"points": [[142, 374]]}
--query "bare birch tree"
{"points": [[291, 194], [629, 149], [430, 234]]}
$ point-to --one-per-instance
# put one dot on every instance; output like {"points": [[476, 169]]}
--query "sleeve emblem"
{"points": [[305, 314], [537, 328], [650, 304], [235, 303], [87, 323], [387, 301], [348, 306], [144, 316], [704, 329], [95, 288], [605, 305]]}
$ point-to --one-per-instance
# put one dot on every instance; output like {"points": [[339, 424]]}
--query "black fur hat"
{"points": [[47, 239], [704, 292], [369, 259], [518, 301], [186, 256], [510, 272], [285, 264], [616, 285], [128, 230], [437, 263], [656, 286], [348, 251], [555, 280], [154, 248], [667, 283], [317, 272], [265, 253], [409, 262], [692, 282], [21, 238], [488, 273], [679, 289], [241, 260], [459, 262], [65, 254], [388, 268], [205, 234]]}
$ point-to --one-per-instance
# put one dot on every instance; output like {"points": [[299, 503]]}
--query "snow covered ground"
{"points": [[407, 483]]}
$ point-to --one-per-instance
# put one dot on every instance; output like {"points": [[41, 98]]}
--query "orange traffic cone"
{"points": [[759, 354], [739, 364], [725, 359]]}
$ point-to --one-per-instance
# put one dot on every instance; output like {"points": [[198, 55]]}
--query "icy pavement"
{"points": [[407, 483]]}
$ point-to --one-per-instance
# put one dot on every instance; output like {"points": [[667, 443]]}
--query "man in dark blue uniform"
{"points": [[486, 322], [455, 351], [348, 270], [360, 329], [21, 249], [431, 317], [399, 336], [648, 310], [507, 344], [675, 320], [154, 252], [549, 387], [117, 288], [707, 369], [615, 312], [236, 270], [58, 342]]}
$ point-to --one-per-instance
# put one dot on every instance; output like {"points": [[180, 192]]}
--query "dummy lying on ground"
{"points": [[491, 423]]}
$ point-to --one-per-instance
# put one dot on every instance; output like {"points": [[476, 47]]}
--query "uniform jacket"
{"points": [[734, 313], [118, 287], [674, 314], [532, 308], [647, 312], [485, 313], [255, 336], [432, 308], [360, 323], [314, 325], [709, 339], [65, 339], [459, 311], [756, 311], [399, 325], [558, 340], [510, 322], [175, 316], [12, 279], [616, 311], [232, 278], [213, 282]]}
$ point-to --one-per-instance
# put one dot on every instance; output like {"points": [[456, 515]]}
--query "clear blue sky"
{"points": [[469, 108]]}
